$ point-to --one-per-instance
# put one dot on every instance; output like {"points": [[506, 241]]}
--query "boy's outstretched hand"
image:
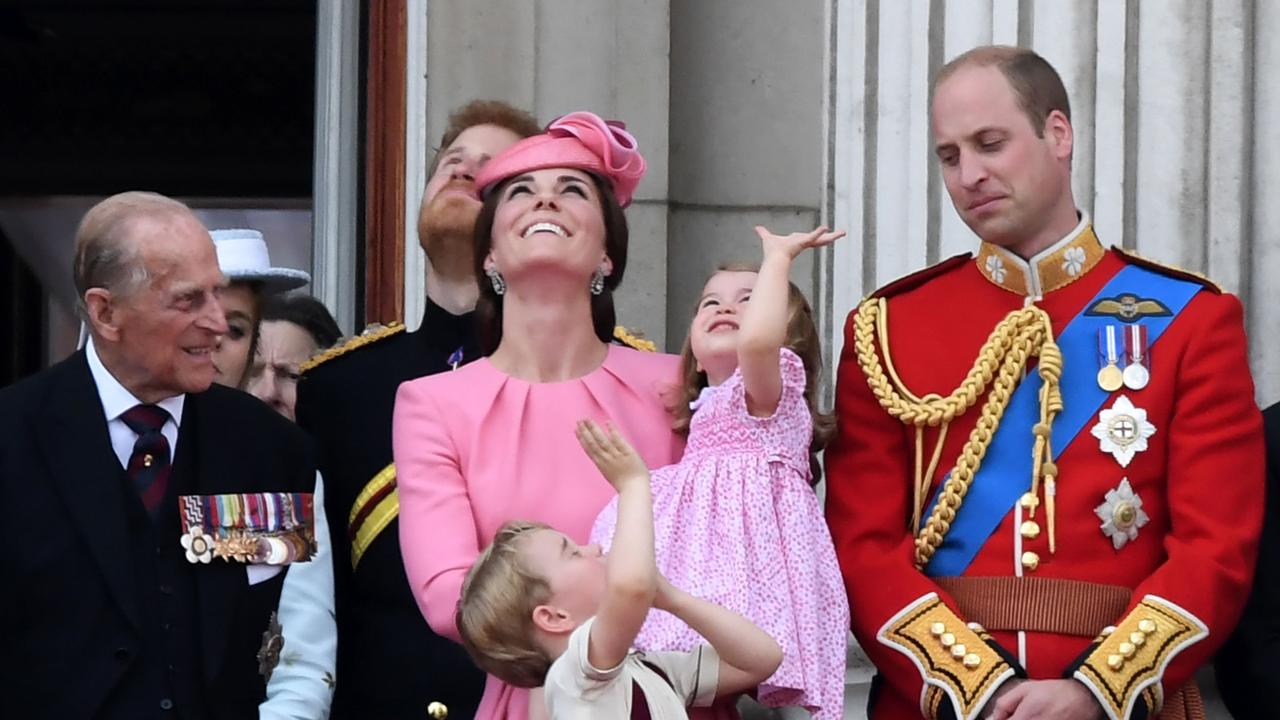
{"points": [[618, 461]]}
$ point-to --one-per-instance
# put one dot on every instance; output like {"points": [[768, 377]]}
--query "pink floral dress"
{"points": [[736, 523]]}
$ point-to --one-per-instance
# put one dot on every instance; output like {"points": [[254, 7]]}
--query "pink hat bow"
{"points": [[579, 140]]}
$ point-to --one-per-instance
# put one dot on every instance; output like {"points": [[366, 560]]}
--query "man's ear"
{"points": [[551, 619], [1058, 130], [103, 315]]}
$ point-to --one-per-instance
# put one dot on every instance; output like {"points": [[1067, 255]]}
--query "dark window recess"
{"points": [[185, 97]]}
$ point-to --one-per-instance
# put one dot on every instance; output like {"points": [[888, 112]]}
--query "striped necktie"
{"points": [[149, 464]]}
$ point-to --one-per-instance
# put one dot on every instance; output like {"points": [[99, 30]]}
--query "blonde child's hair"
{"points": [[495, 613], [802, 339]]}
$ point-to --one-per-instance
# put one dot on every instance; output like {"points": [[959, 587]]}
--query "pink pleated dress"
{"points": [[736, 523]]}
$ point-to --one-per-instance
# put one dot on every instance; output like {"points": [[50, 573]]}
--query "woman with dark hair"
{"points": [[243, 258], [293, 328], [494, 440]]}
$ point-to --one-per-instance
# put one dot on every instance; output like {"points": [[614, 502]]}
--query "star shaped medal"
{"points": [[1122, 430]]}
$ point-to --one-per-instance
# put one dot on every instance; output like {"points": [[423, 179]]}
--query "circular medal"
{"points": [[1136, 376], [1110, 378]]}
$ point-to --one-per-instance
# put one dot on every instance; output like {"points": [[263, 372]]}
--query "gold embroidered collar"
{"points": [[1055, 267]]}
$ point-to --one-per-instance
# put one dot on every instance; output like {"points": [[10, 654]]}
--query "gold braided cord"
{"points": [[1001, 361]]}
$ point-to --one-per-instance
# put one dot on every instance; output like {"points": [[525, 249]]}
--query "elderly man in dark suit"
{"points": [[115, 603]]}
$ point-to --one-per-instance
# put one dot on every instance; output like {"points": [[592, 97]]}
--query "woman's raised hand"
{"points": [[795, 243], [618, 461]]}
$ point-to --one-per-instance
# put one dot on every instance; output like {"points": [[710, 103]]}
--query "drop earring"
{"points": [[495, 277], [597, 281]]}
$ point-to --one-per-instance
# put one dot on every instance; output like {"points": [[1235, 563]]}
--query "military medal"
{"points": [[1136, 374], [1110, 376], [1122, 430], [1121, 514], [252, 528]]}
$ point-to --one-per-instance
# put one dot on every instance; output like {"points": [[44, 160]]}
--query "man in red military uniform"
{"points": [[1047, 485]]}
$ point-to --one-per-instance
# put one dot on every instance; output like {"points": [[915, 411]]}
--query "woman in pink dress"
{"points": [[494, 440], [736, 521]]}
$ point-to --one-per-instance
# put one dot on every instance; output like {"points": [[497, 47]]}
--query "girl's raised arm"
{"points": [[764, 323]]}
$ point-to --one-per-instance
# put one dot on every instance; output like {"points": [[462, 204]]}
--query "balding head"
{"points": [[1034, 82], [107, 251]]}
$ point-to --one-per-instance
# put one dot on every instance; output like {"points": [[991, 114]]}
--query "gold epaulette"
{"points": [[631, 340], [920, 277], [1127, 665], [372, 333], [1134, 258], [957, 665]]}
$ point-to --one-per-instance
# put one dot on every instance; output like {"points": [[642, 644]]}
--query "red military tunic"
{"points": [[1200, 482]]}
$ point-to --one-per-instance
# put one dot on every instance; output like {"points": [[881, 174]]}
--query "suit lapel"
{"points": [[86, 472], [200, 465]]}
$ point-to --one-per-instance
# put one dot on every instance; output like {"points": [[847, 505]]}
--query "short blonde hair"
{"points": [[495, 614]]}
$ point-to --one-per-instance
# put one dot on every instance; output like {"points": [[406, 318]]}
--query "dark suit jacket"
{"points": [[1248, 665], [390, 663], [73, 629]]}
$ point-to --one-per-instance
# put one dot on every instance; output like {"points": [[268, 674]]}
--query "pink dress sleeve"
{"points": [[440, 544]]}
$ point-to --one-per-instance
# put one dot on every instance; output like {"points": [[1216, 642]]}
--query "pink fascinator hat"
{"points": [[580, 140]]}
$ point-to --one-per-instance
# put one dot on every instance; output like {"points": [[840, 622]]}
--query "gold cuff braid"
{"points": [[950, 655], [1128, 664], [1021, 335]]}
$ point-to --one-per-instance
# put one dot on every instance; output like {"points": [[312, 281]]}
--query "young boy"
{"points": [[537, 609]]}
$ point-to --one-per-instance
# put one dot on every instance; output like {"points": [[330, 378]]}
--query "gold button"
{"points": [[1137, 638], [972, 661], [1115, 662], [1028, 501], [1125, 514], [958, 650], [976, 627], [438, 711], [937, 629], [1147, 626], [1127, 649], [1106, 631], [1030, 530], [146, 460], [947, 640], [1030, 560]]}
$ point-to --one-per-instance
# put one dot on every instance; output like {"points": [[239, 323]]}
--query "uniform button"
{"points": [[438, 711], [157, 550], [167, 627], [166, 589], [166, 704], [122, 654]]}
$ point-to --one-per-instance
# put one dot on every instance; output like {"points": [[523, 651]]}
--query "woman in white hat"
{"points": [[243, 258]]}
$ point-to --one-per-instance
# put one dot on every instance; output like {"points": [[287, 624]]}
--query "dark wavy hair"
{"points": [[489, 305], [307, 313]]}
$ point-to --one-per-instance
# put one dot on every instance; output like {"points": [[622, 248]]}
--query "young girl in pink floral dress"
{"points": [[736, 521]]}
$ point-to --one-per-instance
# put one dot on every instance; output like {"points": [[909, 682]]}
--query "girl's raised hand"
{"points": [[795, 243]]}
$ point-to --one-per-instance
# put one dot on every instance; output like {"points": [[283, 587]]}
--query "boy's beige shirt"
{"points": [[574, 689]]}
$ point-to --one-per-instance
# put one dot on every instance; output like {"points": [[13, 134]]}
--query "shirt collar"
{"points": [[116, 399], [1055, 267]]}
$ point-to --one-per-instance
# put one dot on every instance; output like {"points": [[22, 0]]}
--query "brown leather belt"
{"points": [[1037, 604]]}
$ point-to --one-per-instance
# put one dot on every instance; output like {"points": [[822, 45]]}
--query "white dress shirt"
{"points": [[116, 400]]}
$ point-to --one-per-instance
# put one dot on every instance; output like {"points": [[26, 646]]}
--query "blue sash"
{"points": [[1005, 473]]}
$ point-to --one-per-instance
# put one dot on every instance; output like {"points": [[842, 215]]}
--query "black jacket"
{"points": [[390, 663], [101, 615]]}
